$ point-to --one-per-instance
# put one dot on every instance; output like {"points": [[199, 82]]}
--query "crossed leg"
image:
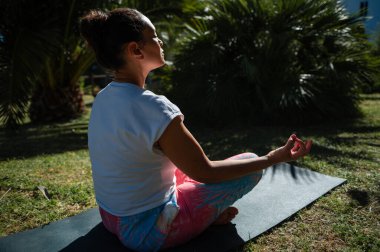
{"points": [[202, 205]]}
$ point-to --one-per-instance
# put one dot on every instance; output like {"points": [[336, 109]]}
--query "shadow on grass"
{"points": [[335, 148], [340, 149], [362, 197], [338, 157], [371, 97], [30, 140]]}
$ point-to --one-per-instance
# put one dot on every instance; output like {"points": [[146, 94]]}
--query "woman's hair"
{"points": [[107, 32]]}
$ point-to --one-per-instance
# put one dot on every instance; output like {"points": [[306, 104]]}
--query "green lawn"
{"points": [[347, 219]]}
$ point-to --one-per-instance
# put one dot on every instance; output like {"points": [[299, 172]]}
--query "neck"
{"points": [[133, 76]]}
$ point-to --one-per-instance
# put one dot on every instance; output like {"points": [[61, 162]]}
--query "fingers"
{"points": [[297, 151], [309, 143], [300, 148], [296, 154], [296, 146], [290, 142]]}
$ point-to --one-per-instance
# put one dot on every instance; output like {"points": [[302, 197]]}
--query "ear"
{"points": [[133, 50]]}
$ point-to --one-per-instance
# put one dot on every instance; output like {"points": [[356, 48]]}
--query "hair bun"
{"points": [[92, 26], [108, 32]]}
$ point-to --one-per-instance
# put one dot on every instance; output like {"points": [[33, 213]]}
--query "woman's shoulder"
{"points": [[154, 99], [158, 103]]}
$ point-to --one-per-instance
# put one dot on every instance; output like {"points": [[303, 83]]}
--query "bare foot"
{"points": [[226, 216]]}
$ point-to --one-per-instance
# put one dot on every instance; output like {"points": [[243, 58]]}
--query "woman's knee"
{"points": [[245, 155], [257, 175], [252, 179]]}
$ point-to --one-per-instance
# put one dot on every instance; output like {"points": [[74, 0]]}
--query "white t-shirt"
{"points": [[130, 174]]}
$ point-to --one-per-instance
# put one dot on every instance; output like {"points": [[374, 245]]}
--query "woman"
{"points": [[154, 185]]}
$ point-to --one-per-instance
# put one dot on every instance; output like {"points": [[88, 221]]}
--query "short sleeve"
{"points": [[158, 112]]}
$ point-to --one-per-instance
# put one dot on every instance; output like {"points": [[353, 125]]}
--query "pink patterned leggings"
{"points": [[199, 206]]}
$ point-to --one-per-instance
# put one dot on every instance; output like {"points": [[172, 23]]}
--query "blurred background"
{"points": [[228, 62]]}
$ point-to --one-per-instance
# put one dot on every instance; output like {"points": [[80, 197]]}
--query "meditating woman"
{"points": [[154, 185]]}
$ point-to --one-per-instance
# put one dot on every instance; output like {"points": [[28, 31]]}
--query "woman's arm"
{"points": [[179, 145]]}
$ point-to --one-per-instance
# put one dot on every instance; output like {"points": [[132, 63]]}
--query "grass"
{"points": [[346, 219]]}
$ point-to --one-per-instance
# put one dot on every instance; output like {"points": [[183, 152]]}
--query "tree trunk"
{"points": [[56, 105]]}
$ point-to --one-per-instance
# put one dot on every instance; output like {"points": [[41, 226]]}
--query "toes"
{"points": [[233, 210], [227, 215]]}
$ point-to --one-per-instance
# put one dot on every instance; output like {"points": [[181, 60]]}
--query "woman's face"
{"points": [[153, 47]]}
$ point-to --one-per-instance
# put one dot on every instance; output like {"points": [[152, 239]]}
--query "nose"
{"points": [[161, 43]]}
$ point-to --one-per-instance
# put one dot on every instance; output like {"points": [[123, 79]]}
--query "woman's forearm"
{"points": [[223, 170], [179, 145]]}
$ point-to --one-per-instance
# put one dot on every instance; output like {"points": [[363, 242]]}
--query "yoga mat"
{"points": [[283, 190]]}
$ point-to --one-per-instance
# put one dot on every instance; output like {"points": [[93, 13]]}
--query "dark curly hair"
{"points": [[107, 33]]}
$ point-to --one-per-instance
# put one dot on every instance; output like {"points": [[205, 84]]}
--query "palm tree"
{"points": [[272, 60], [376, 53], [25, 43], [42, 55], [57, 95], [41, 59]]}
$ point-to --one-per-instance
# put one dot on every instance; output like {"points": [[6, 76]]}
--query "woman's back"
{"points": [[130, 174]]}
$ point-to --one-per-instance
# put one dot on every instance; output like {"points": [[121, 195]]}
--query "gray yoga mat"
{"points": [[283, 190]]}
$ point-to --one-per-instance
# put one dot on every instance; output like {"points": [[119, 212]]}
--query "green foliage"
{"points": [[57, 95], [160, 80], [288, 61], [40, 52], [376, 54], [26, 41], [42, 55]]}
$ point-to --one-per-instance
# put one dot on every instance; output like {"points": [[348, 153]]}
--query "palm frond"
{"points": [[28, 40], [290, 56]]}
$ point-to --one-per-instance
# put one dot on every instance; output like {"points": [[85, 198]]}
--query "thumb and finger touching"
{"points": [[299, 147]]}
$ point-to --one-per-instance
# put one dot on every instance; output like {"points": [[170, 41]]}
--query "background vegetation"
{"points": [[245, 61], [42, 58], [278, 61], [375, 87], [42, 55]]}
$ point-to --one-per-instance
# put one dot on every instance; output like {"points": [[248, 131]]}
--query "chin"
{"points": [[162, 63]]}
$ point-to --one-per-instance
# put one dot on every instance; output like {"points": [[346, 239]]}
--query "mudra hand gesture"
{"points": [[292, 150]]}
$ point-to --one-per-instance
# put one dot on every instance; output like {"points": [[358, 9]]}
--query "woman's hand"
{"points": [[292, 150]]}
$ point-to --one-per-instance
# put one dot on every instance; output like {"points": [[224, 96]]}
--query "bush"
{"points": [[271, 61], [376, 53], [160, 80]]}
